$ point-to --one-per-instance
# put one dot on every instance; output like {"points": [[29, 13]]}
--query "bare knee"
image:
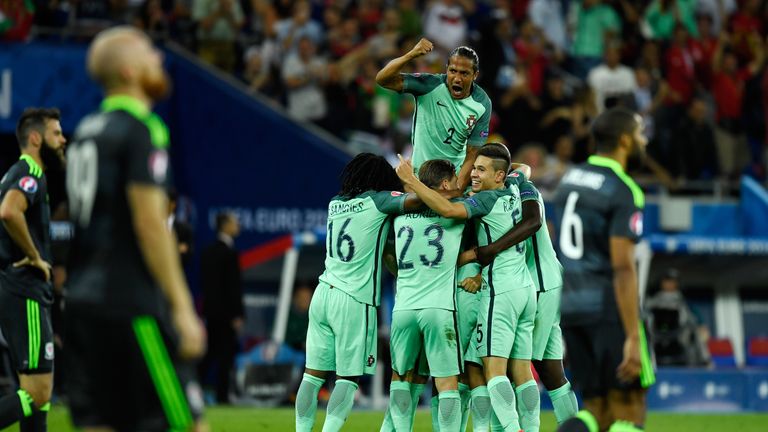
{"points": [[521, 371], [39, 387], [550, 373], [447, 383], [475, 375]]}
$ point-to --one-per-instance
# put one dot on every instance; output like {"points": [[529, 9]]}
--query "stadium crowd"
{"points": [[694, 68]]}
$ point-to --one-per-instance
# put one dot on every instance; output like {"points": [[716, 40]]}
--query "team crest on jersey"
{"points": [[471, 120], [396, 193], [49, 351], [371, 360], [158, 165], [636, 223], [28, 184]]}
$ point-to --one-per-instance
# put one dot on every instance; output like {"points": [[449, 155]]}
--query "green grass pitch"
{"points": [[253, 419]]}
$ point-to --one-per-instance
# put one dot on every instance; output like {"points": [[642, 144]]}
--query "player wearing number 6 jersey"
{"points": [[452, 112], [342, 316], [424, 317], [509, 306], [599, 218]]}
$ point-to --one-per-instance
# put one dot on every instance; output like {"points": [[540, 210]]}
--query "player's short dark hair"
{"points": [[434, 171], [222, 218], [610, 125], [500, 156], [368, 172], [466, 52], [34, 119], [503, 148]]}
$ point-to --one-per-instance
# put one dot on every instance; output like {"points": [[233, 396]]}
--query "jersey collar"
{"points": [[637, 193], [34, 168], [157, 129], [126, 103]]}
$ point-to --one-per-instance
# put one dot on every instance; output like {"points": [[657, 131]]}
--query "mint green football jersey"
{"points": [[496, 212], [357, 230], [545, 268], [443, 126], [427, 246]]}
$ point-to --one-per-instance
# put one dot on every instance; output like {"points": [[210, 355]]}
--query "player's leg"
{"points": [[480, 399], [467, 305], [627, 408], [405, 349], [548, 355], [526, 389], [354, 325], [502, 318], [443, 349], [321, 357], [26, 327]]}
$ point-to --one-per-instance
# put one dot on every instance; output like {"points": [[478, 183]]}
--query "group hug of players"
{"points": [[479, 284]]}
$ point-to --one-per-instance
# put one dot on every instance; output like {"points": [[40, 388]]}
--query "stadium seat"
{"points": [[721, 351], [757, 351]]}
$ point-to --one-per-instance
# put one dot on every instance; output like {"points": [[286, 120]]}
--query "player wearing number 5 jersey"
{"points": [[342, 316], [599, 219], [509, 306], [452, 112], [424, 316]]}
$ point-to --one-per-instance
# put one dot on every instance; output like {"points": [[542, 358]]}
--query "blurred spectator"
{"points": [[747, 29], [410, 18], [676, 339], [300, 25], [728, 91], [703, 49], [183, 232], [519, 108], [549, 17], [222, 303], [592, 24], [445, 24], [529, 48], [648, 97], [152, 19], [16, 17], [369, 14], [717, 11], [557, 115], [584, 110], [662, 16], [383, 45], [496, 51], [304, 74], [298, 317], [695, 148], [612, 82], [555, 165], [218, 24], [344, 38]]}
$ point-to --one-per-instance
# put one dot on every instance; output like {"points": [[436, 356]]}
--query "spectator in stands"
{"points": [[717, 11], [557, 115], [530, 51], [676, 340], [445, 23], [304, 74], [298, 317], [548, 16], [592, 23], [694, 141], [16, 19], [663, 15], [648, 97], [555, 165], [747, 27], [300, 25], [612, 82], [222, 303], [410, 17], [703, 49], [218, 25], [728, 82], [152, 19]]}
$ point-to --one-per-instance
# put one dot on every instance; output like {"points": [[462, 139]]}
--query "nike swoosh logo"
{"points": [[442, 104]]}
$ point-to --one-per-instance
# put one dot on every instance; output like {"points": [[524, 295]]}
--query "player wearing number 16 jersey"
{"points": [[599, 218], [452, 112], [342, 316]]}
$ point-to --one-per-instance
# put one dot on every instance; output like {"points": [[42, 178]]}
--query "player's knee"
{"points": [[40, 393], [550, 373]]}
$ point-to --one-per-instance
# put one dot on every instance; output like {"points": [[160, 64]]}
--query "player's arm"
{"points": [[390, 76], [148, 209], [466, 167], [432, 198], [12, 214], [626, 291], [530, 223], [522, 168]]}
